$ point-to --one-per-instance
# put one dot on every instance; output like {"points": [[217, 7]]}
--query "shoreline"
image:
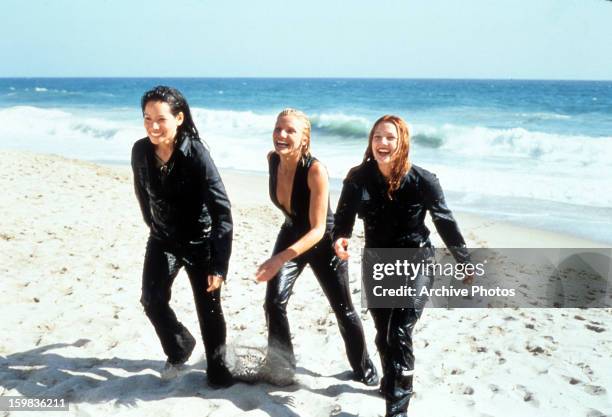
{"points": [[471, 224]]}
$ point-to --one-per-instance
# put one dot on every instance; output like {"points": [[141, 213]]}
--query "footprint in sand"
{"points": [[336, 410], [460, 388], [527, 395], [586, 369], [596, 329], [595, 390], [535, 350], [596, 413]]}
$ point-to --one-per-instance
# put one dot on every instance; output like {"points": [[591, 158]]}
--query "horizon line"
{"points": [[307, 78]]}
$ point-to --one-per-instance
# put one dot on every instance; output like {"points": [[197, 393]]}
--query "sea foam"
{"points": [[468, 159]]}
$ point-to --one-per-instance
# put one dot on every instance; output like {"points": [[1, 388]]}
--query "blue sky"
{"points": [[535, 39]]}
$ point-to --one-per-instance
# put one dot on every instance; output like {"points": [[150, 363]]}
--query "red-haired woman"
{"points": [[392, 197]]}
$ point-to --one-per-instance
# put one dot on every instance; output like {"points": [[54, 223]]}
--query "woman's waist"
{"points": [[182, 232], [415, 239], [180, 243], [302, 223], [291, 232]]}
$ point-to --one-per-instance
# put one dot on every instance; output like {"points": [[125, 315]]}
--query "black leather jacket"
{"points": [[187, 205], [397, 223]]}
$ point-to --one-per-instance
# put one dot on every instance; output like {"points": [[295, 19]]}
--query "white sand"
{"points": [[71, 248]]}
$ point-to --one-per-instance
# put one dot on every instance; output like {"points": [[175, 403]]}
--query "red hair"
{"points": [[401, 164]]}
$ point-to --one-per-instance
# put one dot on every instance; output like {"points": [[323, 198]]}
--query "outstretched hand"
{"points": [[341, 248], [269, 269]]}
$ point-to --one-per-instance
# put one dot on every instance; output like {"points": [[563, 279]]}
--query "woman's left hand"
{"points": [[269, 268], [214, 282]]}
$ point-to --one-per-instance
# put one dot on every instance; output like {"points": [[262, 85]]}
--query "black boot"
{"points": [[398, 408], [186, 343], [219, 376], [369, 376], [398, 396], [175, 366]]}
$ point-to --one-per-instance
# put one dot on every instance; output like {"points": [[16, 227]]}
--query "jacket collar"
{"points": [[379, 178], [184, 144]]}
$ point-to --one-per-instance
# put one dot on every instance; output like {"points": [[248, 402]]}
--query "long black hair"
{"points": [[177, 102]]}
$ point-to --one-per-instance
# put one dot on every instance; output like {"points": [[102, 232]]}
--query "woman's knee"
{"points": [[381, 341], [401, 327], [275, 305], [347, 317], [153, 303]]}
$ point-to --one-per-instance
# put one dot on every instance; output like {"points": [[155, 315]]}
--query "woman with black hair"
{"points": [[392, 196], [185, 206]]}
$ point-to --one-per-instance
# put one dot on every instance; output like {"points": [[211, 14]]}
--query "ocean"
{"points": [[534, 153]]}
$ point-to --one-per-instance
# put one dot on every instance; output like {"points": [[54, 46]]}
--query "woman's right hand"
{"points": [[340, 247], [269, 268]]}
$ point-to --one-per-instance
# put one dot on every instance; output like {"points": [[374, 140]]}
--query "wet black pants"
{"points": [[161, 266], [394, 327], [335, 285]]}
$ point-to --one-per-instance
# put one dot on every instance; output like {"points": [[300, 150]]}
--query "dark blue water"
{"points": [[562, 107], [534, 152]]}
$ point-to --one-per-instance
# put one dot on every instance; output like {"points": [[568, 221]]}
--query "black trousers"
{"points": [[394, 327], [161, 266], [335, 285]]}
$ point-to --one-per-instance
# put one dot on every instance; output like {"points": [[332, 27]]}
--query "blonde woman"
{"points": [[299, 187]]}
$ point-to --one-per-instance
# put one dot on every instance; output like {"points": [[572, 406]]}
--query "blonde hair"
{"points": [[300, 115], [401, 163]]}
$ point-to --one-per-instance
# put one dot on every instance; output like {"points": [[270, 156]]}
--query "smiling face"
{"points": [[385, 144], [288, 136], [159, 122]]}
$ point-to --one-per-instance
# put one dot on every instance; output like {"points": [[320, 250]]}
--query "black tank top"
{"points": [[300, 195]]}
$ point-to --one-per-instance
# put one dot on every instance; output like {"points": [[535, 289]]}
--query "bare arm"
{"points": [[318, 184]]}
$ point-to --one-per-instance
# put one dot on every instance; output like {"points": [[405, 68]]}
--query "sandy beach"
{"points": [[71, 247]]}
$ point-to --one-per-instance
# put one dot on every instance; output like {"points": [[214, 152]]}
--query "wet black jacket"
{"points": [[188, 205], [399, 222]]}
